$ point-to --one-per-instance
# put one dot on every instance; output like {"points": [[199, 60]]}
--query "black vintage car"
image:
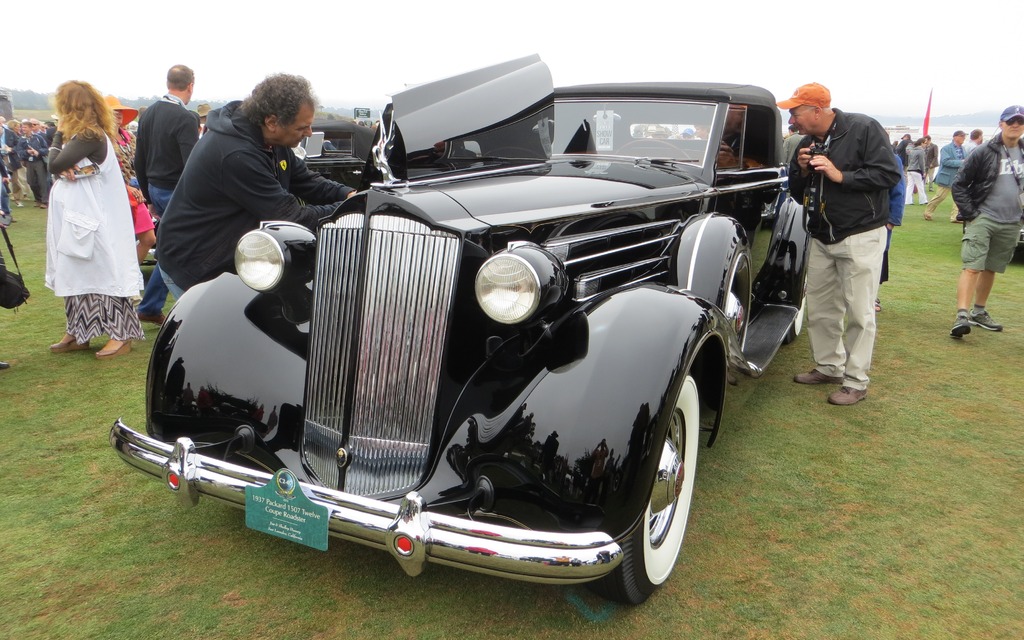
{"points": [[501, 354], [343, 147]]}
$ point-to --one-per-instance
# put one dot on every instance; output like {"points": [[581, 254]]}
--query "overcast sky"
{"points": [[881, 58]]}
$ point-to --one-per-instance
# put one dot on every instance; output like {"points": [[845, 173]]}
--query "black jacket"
{"points": [[167, 133], [973, 182], [859, 147], [231, 183], [11, 140]]}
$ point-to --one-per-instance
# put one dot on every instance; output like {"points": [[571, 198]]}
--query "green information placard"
{"points": [[281, 509]]}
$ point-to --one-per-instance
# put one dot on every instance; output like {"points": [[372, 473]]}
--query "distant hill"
{"points": [[979, 119]]}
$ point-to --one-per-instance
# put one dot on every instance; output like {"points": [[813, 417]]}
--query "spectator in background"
{"points": [[977, 138], [5, 201], [32, 151], [9, 158], [896, 195], [989, 190], [791, 144], [950, 158], [931, 155], [845, 192], [917, 166], [124, 145], [901, 149], [167, 134], [11, 137], [90, 257], [203, 110]]}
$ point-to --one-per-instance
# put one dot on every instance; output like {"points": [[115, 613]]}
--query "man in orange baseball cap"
{"points": [[842, 173], [813, 94]]}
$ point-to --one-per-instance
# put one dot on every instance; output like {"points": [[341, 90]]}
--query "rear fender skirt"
{"points": [[781, 279]]}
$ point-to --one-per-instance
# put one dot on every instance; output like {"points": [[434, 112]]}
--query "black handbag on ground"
{"points": [[13, 292]]}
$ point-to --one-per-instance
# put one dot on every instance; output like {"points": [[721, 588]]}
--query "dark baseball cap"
{"points": [[1009, 112]]}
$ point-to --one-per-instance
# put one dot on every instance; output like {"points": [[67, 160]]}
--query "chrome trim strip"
{"points": [[519, 554], [443, 179], [745, 186], [606, 233], [596, 275], [696, 250], [613, 251]]}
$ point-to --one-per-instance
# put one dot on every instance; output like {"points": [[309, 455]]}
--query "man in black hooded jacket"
{"points": [[243, 172]]}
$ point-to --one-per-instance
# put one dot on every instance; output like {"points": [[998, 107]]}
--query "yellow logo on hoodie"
{"points": [[284, 165]]}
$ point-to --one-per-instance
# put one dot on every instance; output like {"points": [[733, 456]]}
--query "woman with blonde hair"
{"points": [[90, 239]]}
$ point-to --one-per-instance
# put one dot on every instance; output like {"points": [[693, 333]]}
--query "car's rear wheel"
{"points": [[651, 551]]}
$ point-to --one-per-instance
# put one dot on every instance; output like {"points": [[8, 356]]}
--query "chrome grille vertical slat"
{"points": [[334, 298], [397, 332]]}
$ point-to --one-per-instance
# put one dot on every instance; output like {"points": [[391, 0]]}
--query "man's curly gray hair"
{"points": [[280, 95]]}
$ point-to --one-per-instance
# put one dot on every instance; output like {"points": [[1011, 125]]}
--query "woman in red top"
{"points": [[124, 145]]}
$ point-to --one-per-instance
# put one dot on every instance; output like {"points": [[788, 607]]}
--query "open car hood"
{"points": [[421, 120]]}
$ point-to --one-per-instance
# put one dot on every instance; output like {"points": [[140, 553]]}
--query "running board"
{"points": [[765, 334]]}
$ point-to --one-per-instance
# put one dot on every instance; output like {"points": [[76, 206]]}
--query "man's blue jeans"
{"points": [[155, 295]]}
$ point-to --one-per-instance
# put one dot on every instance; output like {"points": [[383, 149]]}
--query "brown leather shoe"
{"points": [[125, 347], [816, 377], [68, 345], [847, 395], [155, 319]]}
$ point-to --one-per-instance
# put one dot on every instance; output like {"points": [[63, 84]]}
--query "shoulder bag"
{"points": [[13, 292]]}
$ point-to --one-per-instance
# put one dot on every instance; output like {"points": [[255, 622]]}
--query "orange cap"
{"points": [[812, 94]]}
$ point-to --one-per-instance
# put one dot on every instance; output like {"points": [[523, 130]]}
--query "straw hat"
{"points": [[127, 113]]}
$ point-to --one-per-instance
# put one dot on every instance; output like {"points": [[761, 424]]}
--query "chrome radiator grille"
{"points": [[376, 349]]}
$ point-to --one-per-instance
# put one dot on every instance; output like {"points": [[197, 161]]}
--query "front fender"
{"points": [[576, 445], [229, 356]]}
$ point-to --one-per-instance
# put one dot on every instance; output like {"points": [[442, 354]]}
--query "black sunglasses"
{"points": [[1015, 120]]}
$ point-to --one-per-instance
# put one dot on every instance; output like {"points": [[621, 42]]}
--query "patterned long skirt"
{"points": [[93, 314]]}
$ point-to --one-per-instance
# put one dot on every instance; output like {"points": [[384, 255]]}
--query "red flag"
{"points": [[927, 114]]}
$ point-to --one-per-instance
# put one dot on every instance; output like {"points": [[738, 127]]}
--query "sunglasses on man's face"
{"points": [[1016, 120]]}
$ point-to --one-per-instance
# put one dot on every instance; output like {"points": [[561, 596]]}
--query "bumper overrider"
{"points": [[411, 534]]}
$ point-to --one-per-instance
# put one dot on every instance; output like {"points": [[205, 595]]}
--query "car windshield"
{"points": [[636, 128], [671, 130]]}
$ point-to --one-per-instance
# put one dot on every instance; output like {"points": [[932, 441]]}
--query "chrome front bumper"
{"points": [[519, 554]]}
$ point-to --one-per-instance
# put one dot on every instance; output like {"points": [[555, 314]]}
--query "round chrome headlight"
{"points": [[516, 285], [508, 288], [259, 260]]}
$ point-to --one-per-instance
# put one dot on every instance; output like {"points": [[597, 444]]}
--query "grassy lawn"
{"points": [[895, 518]]}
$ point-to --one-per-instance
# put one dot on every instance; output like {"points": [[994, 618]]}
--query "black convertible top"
{"points": [[714, 91]]}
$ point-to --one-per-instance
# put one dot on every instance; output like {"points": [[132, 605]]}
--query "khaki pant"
{"points": [[939, 196], [842, 283], [19, 188]]}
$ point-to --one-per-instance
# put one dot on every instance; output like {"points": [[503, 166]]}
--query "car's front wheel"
{"points": [[650, 552]]}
